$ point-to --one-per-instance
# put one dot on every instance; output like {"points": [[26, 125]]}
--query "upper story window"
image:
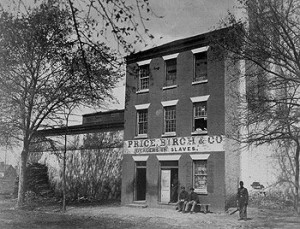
{"points": [[170, 119], [171, 71], [200, 64], [200, 67], [199, 114], [142, 121], [144, 76], [200, 117]]}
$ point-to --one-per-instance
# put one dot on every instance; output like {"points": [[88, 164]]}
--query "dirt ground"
{"points": [[115, 216]]}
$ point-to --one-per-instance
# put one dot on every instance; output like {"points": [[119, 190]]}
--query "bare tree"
{"points": [[67, 112], [42, 70], [97, 21], [266, 46], [285, 155], [53, 54]]}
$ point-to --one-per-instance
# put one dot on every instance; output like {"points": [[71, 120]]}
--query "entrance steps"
{"points": [[138, 204]]}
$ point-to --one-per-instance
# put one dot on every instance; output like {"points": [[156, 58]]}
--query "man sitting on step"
{"points": [[192, 200], [183, 198]]}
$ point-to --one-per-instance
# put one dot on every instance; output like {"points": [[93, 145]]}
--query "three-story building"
{"points": [[176, 118]]}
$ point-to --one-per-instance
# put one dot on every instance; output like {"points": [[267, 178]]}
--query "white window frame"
{"points": [[142, 77], [169, 133], [139, 108], [196, 100], [169, 103], [199, 131], [139, 112]]}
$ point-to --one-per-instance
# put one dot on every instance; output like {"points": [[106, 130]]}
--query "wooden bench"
{"points": [[205, 207]]}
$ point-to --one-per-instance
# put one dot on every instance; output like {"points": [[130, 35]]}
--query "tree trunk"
{"points": [[22, 174], [296, 200], [64, 179], [64, 169]]}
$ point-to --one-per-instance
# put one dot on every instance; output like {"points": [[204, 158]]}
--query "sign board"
{"points": [[175, 145]]}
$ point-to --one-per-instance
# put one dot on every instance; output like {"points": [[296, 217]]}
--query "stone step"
{"points": [[137, 205]]}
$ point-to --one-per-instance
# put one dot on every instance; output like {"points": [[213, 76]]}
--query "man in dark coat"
{"points": [[174, 190], [242, 201], [183, 198], [193, 200]]}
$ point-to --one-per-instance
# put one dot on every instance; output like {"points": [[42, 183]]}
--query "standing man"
{"points": [[242, 201], [174, 190], [183, 198], [193, 200]]}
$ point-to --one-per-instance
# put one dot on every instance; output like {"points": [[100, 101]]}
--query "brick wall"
{"points": [[183, 92]]}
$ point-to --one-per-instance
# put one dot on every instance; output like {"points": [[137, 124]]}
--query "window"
{"points": [[170, 119], [142, 120], [144, 73], [200, 66], [200, 117], [170, 72], [200, 176]]}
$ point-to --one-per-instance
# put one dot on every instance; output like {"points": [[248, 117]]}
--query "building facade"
{"points": [[177, 113]]}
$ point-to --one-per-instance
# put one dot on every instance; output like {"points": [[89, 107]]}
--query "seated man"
{"points": [[192, 200], [183, 198]]}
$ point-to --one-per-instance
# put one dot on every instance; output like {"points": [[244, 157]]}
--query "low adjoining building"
{"points": [[93, 158]]}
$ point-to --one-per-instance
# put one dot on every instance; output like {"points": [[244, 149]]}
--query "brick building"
{"points": [[178, 110]]}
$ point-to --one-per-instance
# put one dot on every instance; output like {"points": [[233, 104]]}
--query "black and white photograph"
{"points": [[149, 114]]}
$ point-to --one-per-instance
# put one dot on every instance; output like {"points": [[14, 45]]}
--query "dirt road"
{"points": [[115, 216]]}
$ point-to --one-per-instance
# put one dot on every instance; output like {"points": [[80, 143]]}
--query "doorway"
{"points": [[140, 183], [169, 182], [165, 185]]}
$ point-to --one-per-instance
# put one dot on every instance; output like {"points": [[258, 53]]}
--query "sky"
{"points": [[187, 18]]}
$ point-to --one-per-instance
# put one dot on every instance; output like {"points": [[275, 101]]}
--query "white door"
{"points": [[165, 185]]}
